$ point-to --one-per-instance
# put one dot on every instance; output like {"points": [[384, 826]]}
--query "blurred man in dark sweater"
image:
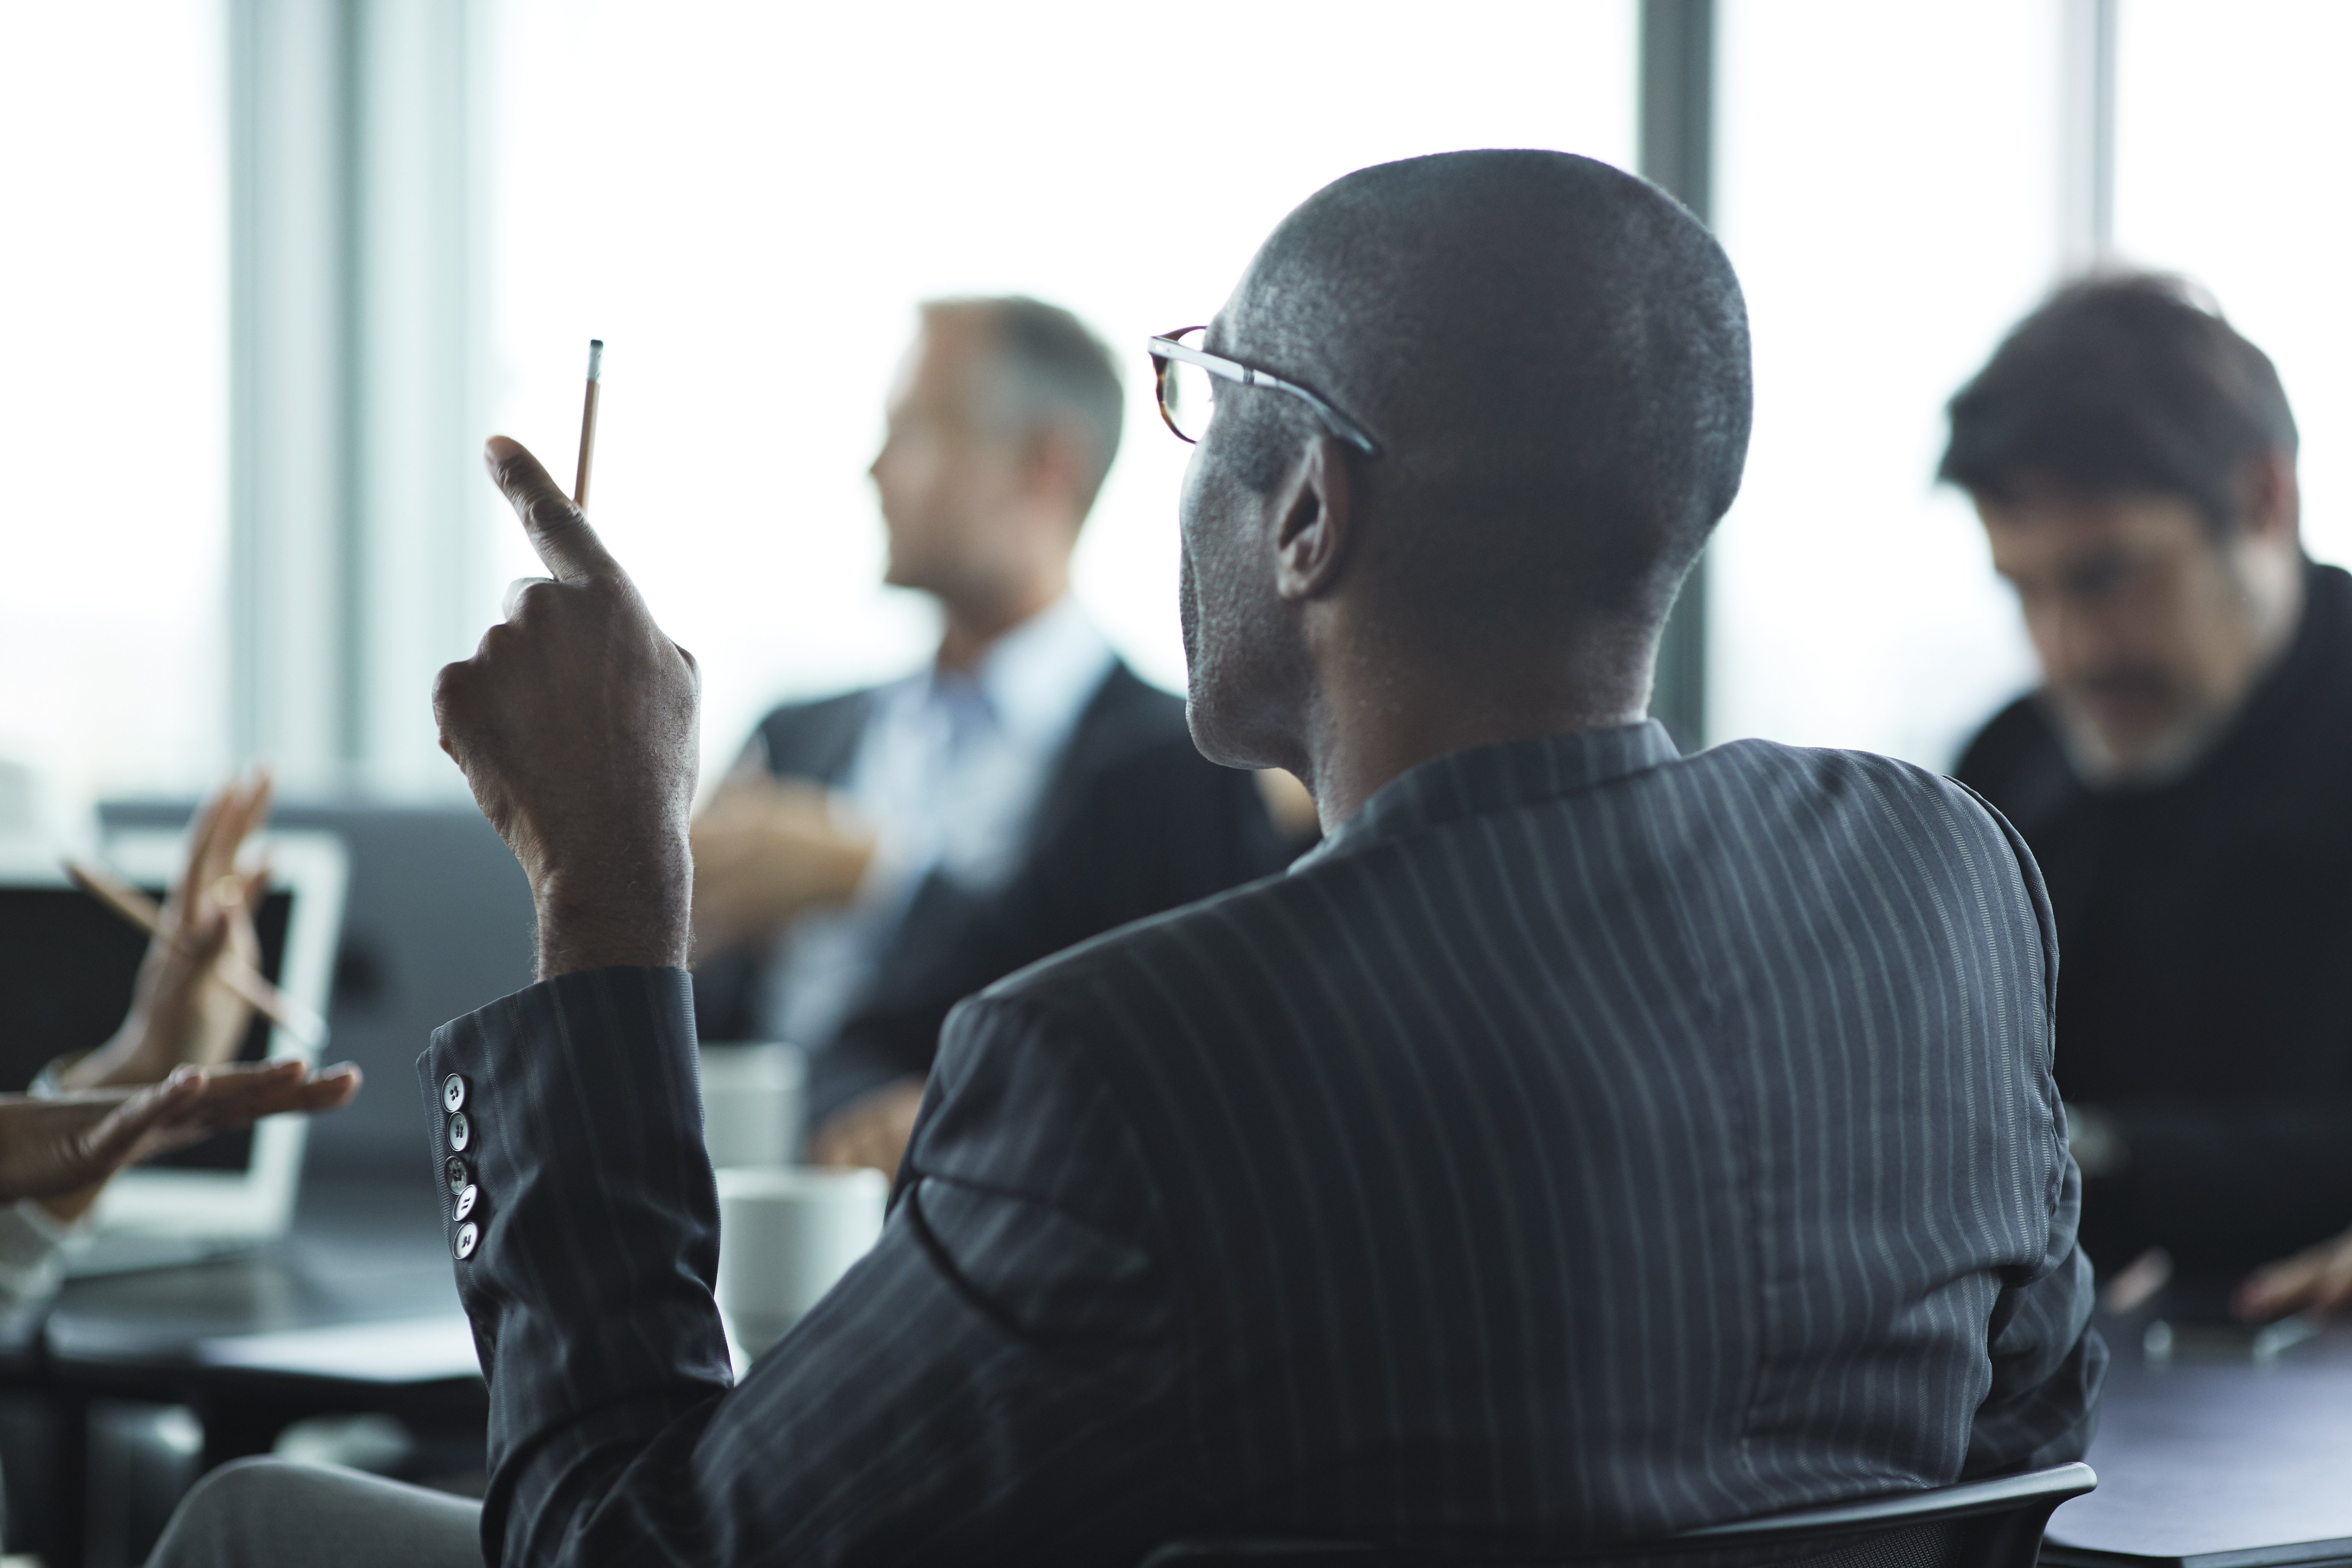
{"points": [[2183, 774]]}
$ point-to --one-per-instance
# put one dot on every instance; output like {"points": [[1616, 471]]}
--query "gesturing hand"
{"points": [[179, 1011], [49, 1147], [872, 1130], [2316, 1280], [766, 850], [575, 723]]}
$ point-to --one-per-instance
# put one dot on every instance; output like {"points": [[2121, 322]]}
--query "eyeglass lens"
{"points": [[1187, 392]]}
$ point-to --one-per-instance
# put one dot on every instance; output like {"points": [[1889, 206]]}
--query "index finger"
{"points": [[558, 531], [231, 1097], [196, 871], [259, 786], [240, 804]]}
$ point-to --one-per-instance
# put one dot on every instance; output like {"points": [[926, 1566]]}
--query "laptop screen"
{"points": [[67, 966]]}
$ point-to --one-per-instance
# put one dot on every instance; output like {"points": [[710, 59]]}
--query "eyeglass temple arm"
{"points": [[1339, 423]]}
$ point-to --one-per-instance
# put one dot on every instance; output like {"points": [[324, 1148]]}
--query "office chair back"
{"points": [[1977, 1524]]}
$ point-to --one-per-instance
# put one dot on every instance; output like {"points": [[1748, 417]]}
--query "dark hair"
{"points": [[1554, 353], [2120, 384], [1045, 366]]}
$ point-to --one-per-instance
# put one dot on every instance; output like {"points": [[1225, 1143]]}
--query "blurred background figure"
{"points": [[2183, 771], [2318, 1280], [850, 860]]}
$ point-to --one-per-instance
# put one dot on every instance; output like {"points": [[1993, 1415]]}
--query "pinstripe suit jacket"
{"points": [[1583, 1143]]}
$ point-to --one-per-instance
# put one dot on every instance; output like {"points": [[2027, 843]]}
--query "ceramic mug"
{"points": [[785, 1237], [753, 1100]]}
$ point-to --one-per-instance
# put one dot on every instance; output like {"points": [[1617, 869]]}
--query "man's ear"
{"points": [[1053, 462], [2270, 500], [1315, 522]]}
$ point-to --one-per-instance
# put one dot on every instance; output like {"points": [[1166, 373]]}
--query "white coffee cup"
{"points": [[785, 1237], [751, 1103]]}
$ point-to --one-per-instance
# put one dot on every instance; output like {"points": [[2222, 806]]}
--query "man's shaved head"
{"points": [[1553, 356]]}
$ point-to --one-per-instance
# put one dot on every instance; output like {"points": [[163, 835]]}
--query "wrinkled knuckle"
{"points": [[456, 699], [531, 600], [552, 511]]}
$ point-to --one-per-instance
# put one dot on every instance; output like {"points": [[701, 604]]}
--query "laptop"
{"points": [[66, 967]]}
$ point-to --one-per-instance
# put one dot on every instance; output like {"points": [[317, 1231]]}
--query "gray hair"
{"points": [[1045, 368]]}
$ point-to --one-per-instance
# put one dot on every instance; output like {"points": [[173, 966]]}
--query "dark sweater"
{"points": [[2205, 942]]}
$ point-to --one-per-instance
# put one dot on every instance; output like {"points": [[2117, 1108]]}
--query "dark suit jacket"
{"points": [[1581, 1144], [1158, 828], [2207, 922], [1133, 820]]}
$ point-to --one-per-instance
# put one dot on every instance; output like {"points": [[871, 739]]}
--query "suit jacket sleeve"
{"points": [[994, 1379], [2041, 1408]]}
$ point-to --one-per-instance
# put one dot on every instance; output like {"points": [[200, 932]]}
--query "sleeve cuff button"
{"points": [[453, 1093], [469, 1236]]}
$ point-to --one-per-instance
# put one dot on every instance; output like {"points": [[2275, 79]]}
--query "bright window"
{"points": [[1886, 184], [746, 201], [2232, 129], [113, 429]]}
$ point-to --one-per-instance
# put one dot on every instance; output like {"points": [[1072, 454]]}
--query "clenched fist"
{"points": [[576, 724]]}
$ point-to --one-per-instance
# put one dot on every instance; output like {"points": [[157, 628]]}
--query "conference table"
{"points": [[2211, 1461], [354, 1312], [2217, 1460]]}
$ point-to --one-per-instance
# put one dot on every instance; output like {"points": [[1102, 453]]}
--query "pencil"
{"points": [[588, 421], [233, 971]]}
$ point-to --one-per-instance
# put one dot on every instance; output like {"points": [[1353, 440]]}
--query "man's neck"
{"points": [[972, 628], [1374, 722]]}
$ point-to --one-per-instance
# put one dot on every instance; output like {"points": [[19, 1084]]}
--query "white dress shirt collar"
{"points": [[1037, 677]]}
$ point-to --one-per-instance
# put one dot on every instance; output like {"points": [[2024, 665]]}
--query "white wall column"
{"points": [[2086, 133], [1678, 151], [357, 509], [421, 502], [288, 133]]}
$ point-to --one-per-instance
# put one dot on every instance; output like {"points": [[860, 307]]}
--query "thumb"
{"points": [[558, 529]]}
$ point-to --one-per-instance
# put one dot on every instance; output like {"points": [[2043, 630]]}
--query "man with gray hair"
{"points": [[840, 871]]}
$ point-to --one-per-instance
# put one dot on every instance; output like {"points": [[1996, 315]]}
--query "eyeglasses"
{"points": [[1187, 376]]}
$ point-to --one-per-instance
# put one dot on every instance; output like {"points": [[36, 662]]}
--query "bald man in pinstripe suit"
{"points": [[1583, 1144]]}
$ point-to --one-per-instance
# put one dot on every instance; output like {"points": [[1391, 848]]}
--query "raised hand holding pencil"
{"points": [[516, 589]]}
